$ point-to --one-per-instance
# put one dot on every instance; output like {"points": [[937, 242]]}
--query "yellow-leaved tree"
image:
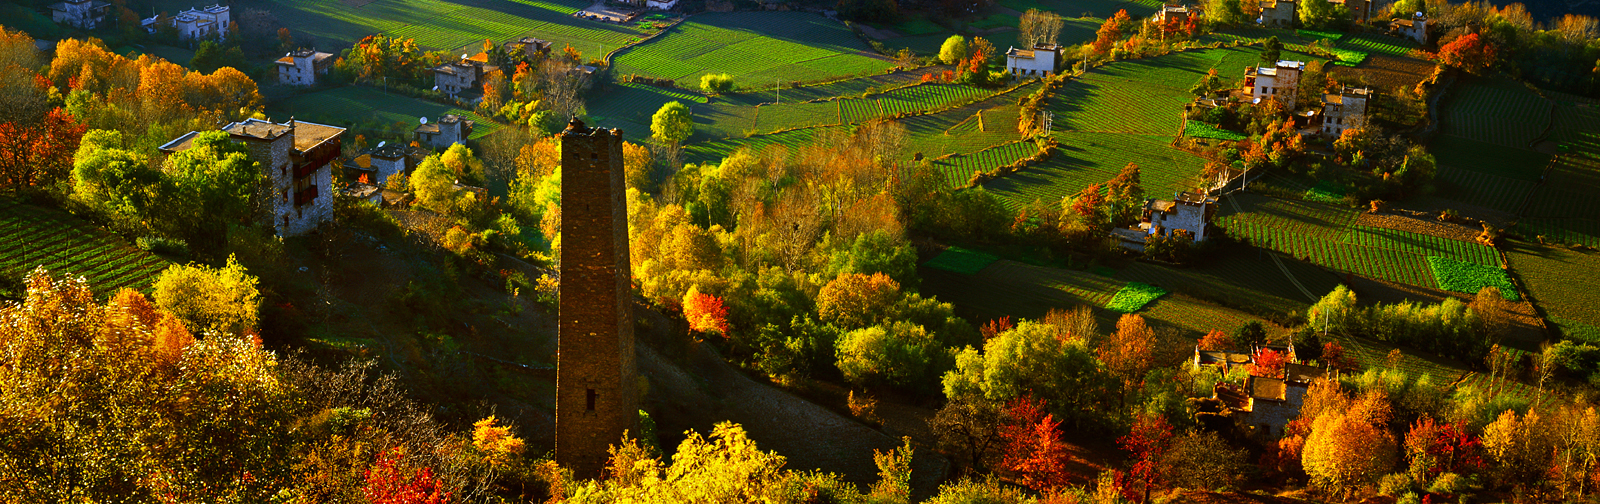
{"points": [[210, 300]]}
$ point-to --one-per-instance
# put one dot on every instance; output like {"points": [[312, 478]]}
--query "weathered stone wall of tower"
{"points": [[596, 376]]}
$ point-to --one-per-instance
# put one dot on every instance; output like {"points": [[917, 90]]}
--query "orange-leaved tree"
{"points": [[856, 300], [389, 481], [1129, 353], [705, 313], [1468, 52], [1031, 446], [1216, 340]]}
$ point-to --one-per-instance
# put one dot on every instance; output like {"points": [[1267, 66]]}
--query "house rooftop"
{"points": [[257, 129], [1020, 53], [1267, 389], [179, 144], [390, 151], [1190, 198], [1300, 373], [1231, 396], [308, 135]]}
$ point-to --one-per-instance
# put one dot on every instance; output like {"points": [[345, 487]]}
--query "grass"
{"points": [[31, 236], [961, 260], [1091, 158], [1462, 276], [1199, 129], [754, 47], [360, 106], [1134, 296], [629, 106], [1481, 189], [444, 25], [1348, 57], [1309, 34], [1240, 280], [1425, 245], [959, 169]]}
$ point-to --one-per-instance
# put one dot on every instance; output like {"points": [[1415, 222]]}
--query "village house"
{"points": [[1188, 213], [81, 14], [1265, 404], [1225, 359], [297, 157], [301, 67], [1277, 13], [1281, 81], [528, 48], [375, 165], [1041, 61], [668, 4], [448, 130], [463, 75], [1345, 110], [1415, 28], [1180, 13], [195, 23]]}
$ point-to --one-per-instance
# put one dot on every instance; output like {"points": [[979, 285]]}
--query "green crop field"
{"points": [[1134, 296], [909, 99], [961, 260], [1199, 129], [1348, 57], [1240, 280], [1424, 245], [363, 106], [1462, 276], [1326, 192], [1092, 8], [1091, 158], [442, 25], [1499, 111], [1484, 157], [628, 106], [959, 130], [958, 169], [757, 48], [1377, 44], [1481, 189], [31, 236]]}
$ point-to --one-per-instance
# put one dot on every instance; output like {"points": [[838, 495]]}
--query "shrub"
{"points": [[716, 83], [223, 300], [165, 246]]}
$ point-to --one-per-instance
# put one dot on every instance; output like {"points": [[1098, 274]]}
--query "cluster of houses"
{"points": [[193, 24], [299, 159], [1264, 403], [464, 75]]}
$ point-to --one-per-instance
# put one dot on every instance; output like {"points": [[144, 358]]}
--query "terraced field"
{"points": [[959, 169], [757, 48], [1500, 112], [1421, 244], [31, 236]]}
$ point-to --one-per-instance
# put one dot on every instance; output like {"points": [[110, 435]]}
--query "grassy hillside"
{"points": [[758, 48]]}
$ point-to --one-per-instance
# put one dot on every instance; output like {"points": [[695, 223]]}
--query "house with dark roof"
{"points": [[1414, 28], [1277, 13], [297, 159], [448, 130]]}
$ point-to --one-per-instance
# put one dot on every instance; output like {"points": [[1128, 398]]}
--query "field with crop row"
{"points": [[910, 99], [1499, 111], [634, 104], [755, 47], [1421, 244], [1484, 157], [31, 236], [960, 130], [1584, 230], [1548, 273], [1481, 189], [1240, 280], [1372, 262], [1377, 44], [958, 169], [1092, 158], [713, 151]]}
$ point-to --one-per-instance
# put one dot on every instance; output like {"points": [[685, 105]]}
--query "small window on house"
{"points": [[589, 398], [285, 197]]}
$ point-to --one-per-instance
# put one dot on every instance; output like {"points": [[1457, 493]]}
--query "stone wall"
{"points": [[596, 372]]}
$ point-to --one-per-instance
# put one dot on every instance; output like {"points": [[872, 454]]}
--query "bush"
{"points": [[716, 83], [221, 300], [165, 246], [900, 354]]}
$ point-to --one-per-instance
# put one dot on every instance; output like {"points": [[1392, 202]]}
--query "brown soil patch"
{"points": [[1233, 498], [1420, 224], [1388, 72]]}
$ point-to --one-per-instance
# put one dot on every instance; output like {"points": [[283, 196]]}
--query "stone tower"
{"points": [[596, 379]]}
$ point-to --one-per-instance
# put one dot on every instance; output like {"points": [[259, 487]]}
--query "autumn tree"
{"points": [[390, 481], [1269, 363], [285, 40], [1350, 448], [1031, 446], [1032, 358], [1468, 52], [705, 312], [39, 154], [1038, 27], [857, 300], [1130, 351], [1147, 445], [970, 430], [1110, 32], [1216, 340], [953, 50], [1203, 460], [1433, 448], [210, 300], [208, 187]]}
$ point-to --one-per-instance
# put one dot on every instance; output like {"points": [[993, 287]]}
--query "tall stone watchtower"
{"points": [[596, 378]]}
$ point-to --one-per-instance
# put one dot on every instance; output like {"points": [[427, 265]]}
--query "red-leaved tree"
{"points": [[1216, 340], [1334, 356], [1433, 448], [705, 312], [389, 482], [1032, 450], [1146, 443], [995, 327], [39, 154], [1468, 52], [1269, 363]]}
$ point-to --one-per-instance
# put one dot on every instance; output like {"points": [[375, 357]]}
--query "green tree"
{"points": [[901, 354], [210, 56], [1316, 14], [1227, 12], [466, 167], [953, 50], [212, 184], [116, 181], [1271, 51], [210, 300], [672, 123], [877, 252], [1032, 357], [434, 185]]}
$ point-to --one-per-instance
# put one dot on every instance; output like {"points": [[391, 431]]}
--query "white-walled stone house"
{"points": [[1281, 81], [1040, 61], [195, 23], [377, 164], [301, 67], [1415, 28], [1180, 13], [462, 76], [1188, 212], [82, 14], [1345, 110], [1277, 13], [297, 157], [448, 130]]}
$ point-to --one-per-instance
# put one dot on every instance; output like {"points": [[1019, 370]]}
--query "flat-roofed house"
{"points": [[1345, 110], [1281, 81], [449, 129], [1414, 28], [1277, 13], [297, 159], [301, 67]]}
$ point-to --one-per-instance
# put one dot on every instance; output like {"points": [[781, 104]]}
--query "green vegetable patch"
{"points": [[1326, 192], [1199, 129], [1461, 276], [1134, 296], [961, 260]]}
